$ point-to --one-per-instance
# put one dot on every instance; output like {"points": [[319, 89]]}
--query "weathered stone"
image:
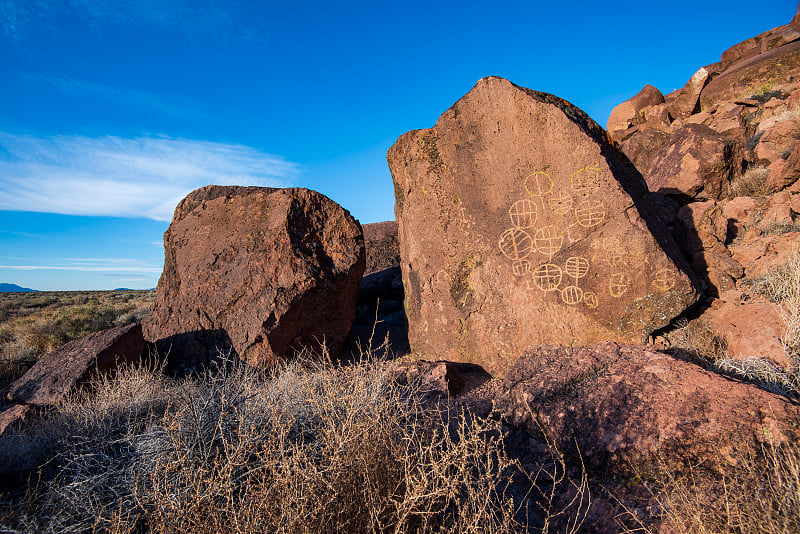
{"points": [[259, 270], [777, 141], [727, 121], [441, 378], [622, 405], [657, 117], [753, 76], [520, 223], [382, 246], [625, 114], [643, 146], [764, 42], [696, 163], [13, 415], [58, 373], [685, 101]]}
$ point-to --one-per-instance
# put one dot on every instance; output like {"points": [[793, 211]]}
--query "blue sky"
{"points": [[112, 110]]}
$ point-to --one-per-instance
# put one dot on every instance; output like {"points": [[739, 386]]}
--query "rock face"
{"points": [[628, 113], [62, 370], [263, 271], [382, 245], [622, 404], [521, 224]]}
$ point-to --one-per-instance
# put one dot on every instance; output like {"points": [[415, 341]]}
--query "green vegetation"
{"points": [[32, 324]]}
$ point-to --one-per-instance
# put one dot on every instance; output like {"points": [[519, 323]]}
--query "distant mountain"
{"points": [[13, 288]]}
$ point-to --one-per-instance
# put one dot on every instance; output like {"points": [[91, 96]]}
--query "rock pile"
{"points": [[724, 154], [261, 271], [520, 224]]}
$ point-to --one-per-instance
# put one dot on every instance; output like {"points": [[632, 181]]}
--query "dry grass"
{"points": [[751, 183], [32, 324], [314, 448], [761, 495]]}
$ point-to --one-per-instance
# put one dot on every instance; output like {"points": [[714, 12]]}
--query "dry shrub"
{"points": [[751, 183], [314, 448], [760, 495]]}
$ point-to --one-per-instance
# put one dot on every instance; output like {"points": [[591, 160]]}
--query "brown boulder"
{"points": [[764, 42], [13, 415], [627, 113], [696, 163], [262, 271], [74, 364], [382, 246], [777, 141], [624, 404], [685, 101], [520, 223], [643, 146], [753, 76]]}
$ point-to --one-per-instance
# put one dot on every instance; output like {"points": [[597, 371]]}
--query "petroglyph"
{"points": [[523, 213], [547, 277], [618, 284], [557, 212], [663, 280], [572, 295], [516, 244], [548, 240], [590, 213]]}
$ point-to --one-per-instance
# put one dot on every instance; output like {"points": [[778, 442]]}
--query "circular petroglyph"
{"points": [[538, 184], [521, 267], [560, 203], [663, 280], [585, 178], [590, 299], [590, 213], [576, 267], [548, 240], [516, 244], [618, 284], [572, 295], [523, 213], [547, 277]]}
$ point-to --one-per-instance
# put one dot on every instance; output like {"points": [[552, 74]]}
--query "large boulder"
{"points": [[520, 223], [58, 373], [624, 406], [684, 101], [697, 162], [628, 113], [261, 271]]}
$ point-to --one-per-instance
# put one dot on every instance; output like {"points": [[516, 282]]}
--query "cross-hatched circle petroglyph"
{"points": [[590, 299], [523, 213], [538, 184], [576, 267], [618, 284], [560, 203], [590, 213], [548, 240], [547, 277], [663, 280], [584, 178], [516, 243], [521, 267], [572, 295]]}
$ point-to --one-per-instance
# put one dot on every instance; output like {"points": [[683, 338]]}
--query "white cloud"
{"points": [[127, 97], [123, 177], [95, 265]]}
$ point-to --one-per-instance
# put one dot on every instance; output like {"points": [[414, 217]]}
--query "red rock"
{"points": [[777, 141], [764, 42], [747, 77], [626, 114], [697, 162], [751, 329], [382, 246], [642, 147], [263, 271], [58, 373], [685, 101], [521, 223], [623, 405], [739, 213], [440, 378], [657, 117], [764, 253], [11, 416]]}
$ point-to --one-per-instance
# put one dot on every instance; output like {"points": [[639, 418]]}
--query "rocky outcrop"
{"points": [[382, 246], [630, 112], [623, 404], [260, 271], [58, 373], [520, 223]]}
